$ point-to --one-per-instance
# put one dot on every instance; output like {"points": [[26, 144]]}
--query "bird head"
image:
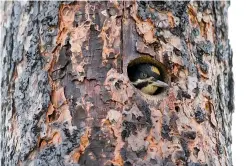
{"points": [[147, 78]]}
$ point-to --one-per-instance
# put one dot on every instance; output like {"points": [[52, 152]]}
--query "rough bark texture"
{"points": [[67, 99]]}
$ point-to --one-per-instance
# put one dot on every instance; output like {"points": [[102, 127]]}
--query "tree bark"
{"points": [[66, 98]]}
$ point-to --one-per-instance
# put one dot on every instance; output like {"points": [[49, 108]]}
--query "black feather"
{"points": [[142, 68]]}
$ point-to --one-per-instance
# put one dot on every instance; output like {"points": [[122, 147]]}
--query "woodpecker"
{"points": [[147, 78]]}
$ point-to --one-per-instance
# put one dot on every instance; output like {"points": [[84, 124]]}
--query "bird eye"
{"points": [[143, 75]]}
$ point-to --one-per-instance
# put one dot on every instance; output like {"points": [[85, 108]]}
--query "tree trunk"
{"points": [[66, 98]]}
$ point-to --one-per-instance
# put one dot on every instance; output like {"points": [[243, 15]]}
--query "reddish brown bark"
{"points": [[67, 98]]}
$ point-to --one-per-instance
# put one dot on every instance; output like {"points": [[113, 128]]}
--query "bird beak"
{"points": [[160, 84]]}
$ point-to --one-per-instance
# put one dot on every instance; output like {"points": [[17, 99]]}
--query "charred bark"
{"points": [[66, 98]]}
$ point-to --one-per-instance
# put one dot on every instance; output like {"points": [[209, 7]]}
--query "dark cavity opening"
{"points": [[131, 70]]}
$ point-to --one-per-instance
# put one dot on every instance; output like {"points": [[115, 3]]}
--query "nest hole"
{"points": [[131, 69], [177, 108]]}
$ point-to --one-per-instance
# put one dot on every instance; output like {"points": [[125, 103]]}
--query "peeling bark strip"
{"points": [[67, 98]]}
